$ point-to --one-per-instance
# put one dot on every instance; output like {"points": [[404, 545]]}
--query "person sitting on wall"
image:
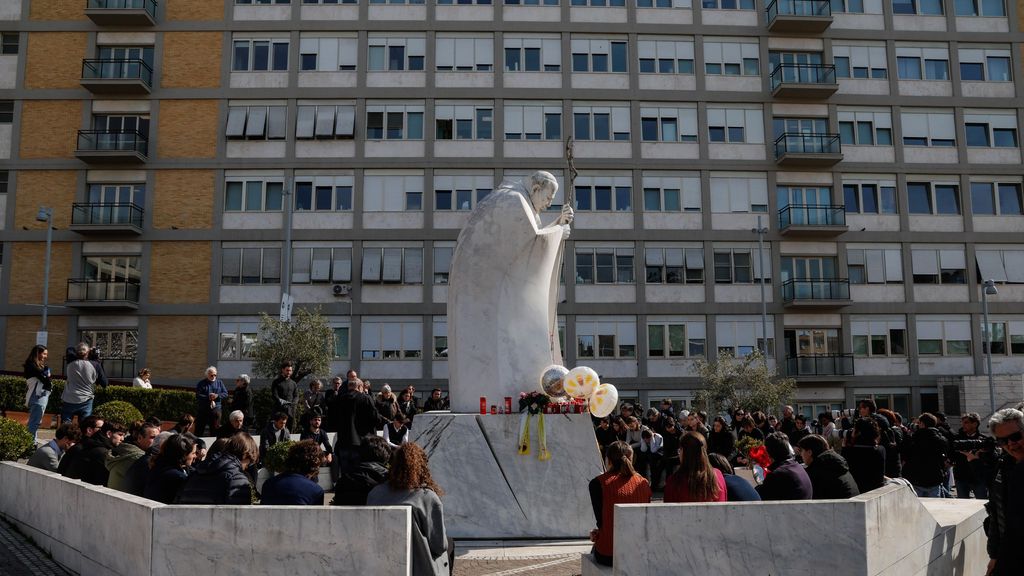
{"points": [[234, 425], [786, 479], [275, 431], [829, 473], [316, 433], [221, 478], [48, 456], [737, 489], [396, 432], [297, 485], [90, 464], [124, 455], [170, 468]]}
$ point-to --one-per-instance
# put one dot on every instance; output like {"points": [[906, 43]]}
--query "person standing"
{"points": [[357, 417], [619, 484], [285, 392], [972, 469], [80, 388], [1005, 523], [142, 380], [210, 394], [407, 405], [38, 387], [241, 401], [925, 458]]}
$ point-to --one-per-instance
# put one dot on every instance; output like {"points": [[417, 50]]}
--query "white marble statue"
{"points": [[502, 294]]}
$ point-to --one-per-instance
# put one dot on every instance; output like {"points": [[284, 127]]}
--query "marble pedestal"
{"points": [[491, 492]]}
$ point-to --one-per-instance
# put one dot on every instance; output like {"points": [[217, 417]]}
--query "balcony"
{"points": [[112, 146], [807, 149], [111, 294], [805, 81], [125, 76], [98, 217], [816, 293], [820, 365], [121, 12], [801, 16], [812, 220]]}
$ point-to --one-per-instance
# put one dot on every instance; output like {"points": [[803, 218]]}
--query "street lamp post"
{"points": [[46, 215], [989, 290], [761, 232]]}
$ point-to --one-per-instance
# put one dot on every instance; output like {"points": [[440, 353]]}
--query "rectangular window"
{"points": [[260, 55], [879, 336], [739, 336], [395, 54], [388, 265], [668, 124], [927, 128], [9, 42], [533, 53], [533, 121], [674, 265], [461, 192], [996, 198], [987, 8], [738, 194], [256, 195], [735, 125], [599, 56], [865, 127], [665, 56], [328, 54], [237, 339], [675, 339], [6, 112], [731, 58], [727, 4], [604, 266], [393, 192], [604, 194], [602, 123], [611, 337], [256, 123], [323, 194], [394, 122], [937, 336], [386, 338], [860, 61], [464, 54], [740, 266], [321, 265], [939, 265], [993, 129], [463, 121], [671, 193], [935, 199], [870, 197], [249, 265], [1004, 266], [442, 263], [325, 122], [872, 265]]}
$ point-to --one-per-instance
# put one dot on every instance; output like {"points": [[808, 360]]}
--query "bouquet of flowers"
{"points": [[753, 451], [534, 401]]}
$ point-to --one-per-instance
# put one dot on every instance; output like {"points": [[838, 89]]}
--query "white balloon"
{"points": [[604, 400], [581, 382]]}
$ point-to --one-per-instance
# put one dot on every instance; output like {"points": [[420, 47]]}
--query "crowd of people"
{"points": [[836, 456]]}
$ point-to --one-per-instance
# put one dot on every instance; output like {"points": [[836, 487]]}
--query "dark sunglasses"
{"points": [[1015, 437]]}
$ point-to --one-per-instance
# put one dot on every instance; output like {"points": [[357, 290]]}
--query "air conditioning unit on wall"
{"points": [[341, 290]]}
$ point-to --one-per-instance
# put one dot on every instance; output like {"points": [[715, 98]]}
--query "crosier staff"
{"points": [[567, 217]]}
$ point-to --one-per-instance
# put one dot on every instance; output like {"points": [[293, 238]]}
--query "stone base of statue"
{"points": [[492, 492]]}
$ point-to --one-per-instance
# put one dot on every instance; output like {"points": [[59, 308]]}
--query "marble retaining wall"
{"points": [[888, 531], [98, 531]]}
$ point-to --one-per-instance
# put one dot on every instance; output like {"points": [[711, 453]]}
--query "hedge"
{"points": [[15, 440], [164, 404]]}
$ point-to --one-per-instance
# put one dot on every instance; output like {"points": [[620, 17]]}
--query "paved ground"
{"points": [[19, 557]]}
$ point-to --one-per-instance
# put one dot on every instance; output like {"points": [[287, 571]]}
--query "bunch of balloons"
{"points": [[580, 382]]}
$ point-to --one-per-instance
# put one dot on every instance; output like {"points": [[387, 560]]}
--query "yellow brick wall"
{"points": [[52, 188], [191, 60], [179, 273], [49, 128], [21, 337], [195, 10], [57, 10], [176, 346], [183, 199], [27, 260], [188, 129], [43, 69]]}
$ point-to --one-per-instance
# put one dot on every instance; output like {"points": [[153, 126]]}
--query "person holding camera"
{"points": [[1005, 523], [973, 458], [83, 373]]}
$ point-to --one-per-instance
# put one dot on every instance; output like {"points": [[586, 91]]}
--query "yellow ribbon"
{"points": [[542, 440], [524, 434]]}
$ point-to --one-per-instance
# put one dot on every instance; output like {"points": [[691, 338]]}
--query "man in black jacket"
{"points": [[357, 417], [925, 455], [285, 392], [1005, 523], [972, 469]]}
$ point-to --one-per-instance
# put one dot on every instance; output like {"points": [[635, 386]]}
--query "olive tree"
{"points": [[307, 341], [747, 382]]}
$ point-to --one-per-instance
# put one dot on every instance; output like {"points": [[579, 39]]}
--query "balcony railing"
{"points": [[814, 80], [799, 15], [820, 365], [112, 145], [117, 75], [808, 148], [816, 290], [121, 12], [106, 216], [103, 293], [812, 215]]}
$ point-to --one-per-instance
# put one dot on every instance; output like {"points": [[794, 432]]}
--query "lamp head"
{"points": [[990, 288], [44, 214]]}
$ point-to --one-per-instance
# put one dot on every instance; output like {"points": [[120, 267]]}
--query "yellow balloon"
{"points": [[581, 382], [603, 400]]}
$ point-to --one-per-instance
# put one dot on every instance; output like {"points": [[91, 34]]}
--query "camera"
{"points": [[975, 445]]}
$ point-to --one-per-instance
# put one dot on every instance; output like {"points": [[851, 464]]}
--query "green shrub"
{"points": [[276, 456], [164, 404], [118, 411], [15, 440]]}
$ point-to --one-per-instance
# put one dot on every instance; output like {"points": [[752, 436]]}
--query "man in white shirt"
{"points": [[649, 455]]}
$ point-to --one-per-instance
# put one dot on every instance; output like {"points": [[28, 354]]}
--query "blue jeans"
{"points": [[69, 411], [928, 491], [979, 487], [35, 413]]}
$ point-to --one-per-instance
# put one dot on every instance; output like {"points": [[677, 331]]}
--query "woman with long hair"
{"points": [[169, 468], [410, 484], [721, 440], [221, 478], [620, 484], [38, 386], [695, 480]]}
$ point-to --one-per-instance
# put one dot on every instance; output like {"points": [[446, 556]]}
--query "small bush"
{"points": [[15, 440], [277, 455], [118, 411]]}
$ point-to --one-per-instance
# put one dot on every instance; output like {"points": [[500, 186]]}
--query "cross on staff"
{"points": [[570, 192]]}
